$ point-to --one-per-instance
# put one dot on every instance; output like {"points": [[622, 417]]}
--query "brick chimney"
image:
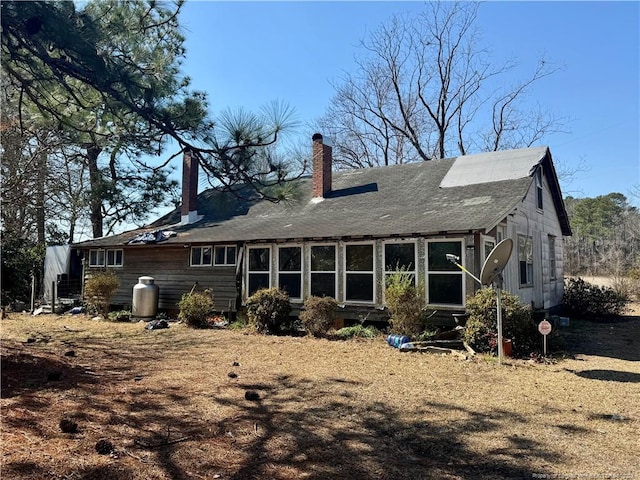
{"points": [[321, 167], [189, 210]]}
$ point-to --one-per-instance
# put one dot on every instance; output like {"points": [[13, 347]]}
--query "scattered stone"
{"points": [[232, 375], [137, 378], [31, 340], [68, 426], [104, 446], [54, 376], [157, 324], [70, 353], [235, 364], [251, 395]]}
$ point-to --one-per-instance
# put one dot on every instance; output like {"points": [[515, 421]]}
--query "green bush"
{"points": [[405, 302], [318, 315], [357, 331], [481, 330], [584, 300], [195, 308], [99, 290], [268, 311]]}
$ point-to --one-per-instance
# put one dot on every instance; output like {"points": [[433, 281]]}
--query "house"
{"points": [[340, 233]]}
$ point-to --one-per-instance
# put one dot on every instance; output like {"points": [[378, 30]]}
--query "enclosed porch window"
{"points": [[445, 281]]}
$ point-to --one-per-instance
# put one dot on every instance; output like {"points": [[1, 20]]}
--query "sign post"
{"points": [[544, 327]]}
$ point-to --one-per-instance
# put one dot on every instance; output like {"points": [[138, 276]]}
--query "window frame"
{"points": [[291, 272], [539, 189], [100, 257], [346, 272], [386, 273], [249, 272], [553, 275], [528, 267], [334, 271], [201, 264], [114, 252], [458, 271], [226, 256]]}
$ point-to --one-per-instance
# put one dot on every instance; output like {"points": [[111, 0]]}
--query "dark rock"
{"points": [[70, 353], [104, 446], [232, 375], [31, 340], [251, 395], [235, 364]]}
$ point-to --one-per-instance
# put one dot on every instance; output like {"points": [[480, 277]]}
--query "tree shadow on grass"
{"points": [[287, 433], [616, 338], [610, 376]]}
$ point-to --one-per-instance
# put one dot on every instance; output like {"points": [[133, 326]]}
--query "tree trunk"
{"points": [[95, 198]]}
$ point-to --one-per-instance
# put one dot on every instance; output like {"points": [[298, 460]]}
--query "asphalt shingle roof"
{"points": [[398, 200]]}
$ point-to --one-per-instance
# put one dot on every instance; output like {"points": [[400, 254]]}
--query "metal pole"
{"points": [[33, 292], [544, 343], [499, 315]]}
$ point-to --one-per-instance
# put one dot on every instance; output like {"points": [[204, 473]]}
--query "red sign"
{"points": [[544, 327]]}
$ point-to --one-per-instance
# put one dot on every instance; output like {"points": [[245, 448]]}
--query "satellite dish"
{"points": [[496, 261]]}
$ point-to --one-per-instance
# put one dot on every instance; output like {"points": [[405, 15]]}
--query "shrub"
{"points": [[195, 308], [481, 330], [357, 331], [120, 316], [582, 299], [268, 311], [405, 302], [318, 315], [99, 290]]}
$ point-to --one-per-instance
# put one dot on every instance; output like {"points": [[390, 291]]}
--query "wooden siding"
{"points": [[169, 266], [545, 293]]}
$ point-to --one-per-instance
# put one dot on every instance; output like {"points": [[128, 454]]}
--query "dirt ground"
{"points": [[220, 404]]}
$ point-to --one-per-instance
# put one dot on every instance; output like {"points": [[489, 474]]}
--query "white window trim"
{"points": [[487, 239], [539, 189], [114, 265], [437, 272], [529, 277], [345, 272], [334, 271], [98, 251], [553, 266], [249, 272], [226, 256], [384, 262], [301, 271], [199, 265]]}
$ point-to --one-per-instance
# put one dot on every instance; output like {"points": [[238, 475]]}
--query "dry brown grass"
{"points": [[327, 409]]}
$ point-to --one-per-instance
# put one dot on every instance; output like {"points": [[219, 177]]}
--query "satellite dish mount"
{"points": [[491, 274]]}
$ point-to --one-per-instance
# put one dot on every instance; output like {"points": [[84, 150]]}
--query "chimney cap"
{"points": [[317, 137]]}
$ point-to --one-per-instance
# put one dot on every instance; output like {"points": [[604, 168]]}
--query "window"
{"points": [[359, 273], [290, 271], [552, 257], [488, 244], [114, 258], [400, 256], [525, 259], [445, 281], [323, 271], [200, 256], [224, 255], [539, 191], [96, 258], [258, 269]]}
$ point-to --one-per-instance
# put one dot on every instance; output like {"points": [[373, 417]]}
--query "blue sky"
{"points": [[247, 54]]}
